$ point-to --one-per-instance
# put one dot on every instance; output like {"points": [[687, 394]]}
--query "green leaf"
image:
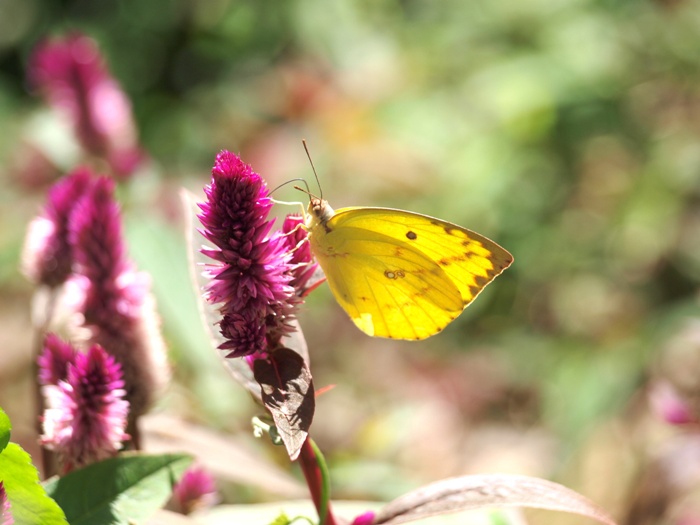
{"points": [[5, 428], [121, 490], [29, 503], [282, 519]]}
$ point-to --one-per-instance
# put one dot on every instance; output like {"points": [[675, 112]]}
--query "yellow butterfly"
{"points": [[399, 274]]}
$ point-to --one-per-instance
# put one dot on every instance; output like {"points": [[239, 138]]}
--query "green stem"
{"points": [[317, 478]]}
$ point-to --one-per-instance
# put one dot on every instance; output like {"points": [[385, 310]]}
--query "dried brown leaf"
{"points": [[490, 490]]}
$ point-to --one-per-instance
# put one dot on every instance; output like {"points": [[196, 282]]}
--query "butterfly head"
{"points": [[319, 213]]}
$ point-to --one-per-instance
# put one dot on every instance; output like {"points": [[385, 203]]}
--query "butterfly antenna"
{"points": [[301, 205], [289, 182], [306, 148]]}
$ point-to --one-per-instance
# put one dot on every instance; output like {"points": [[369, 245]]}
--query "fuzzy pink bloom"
{"points": [[364, 519], [670, 405], [254, 269], [117, 306], [47, 257], [54, 360], [5, 512], [72, 76], [302, 259], [99, 253], [195, 490], [87, 413], [689, 516]]}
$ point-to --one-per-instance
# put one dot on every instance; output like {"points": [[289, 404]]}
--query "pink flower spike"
{"points": [[195, 490], [5, 513], [54, 360], [71, 74], [668, 404], [252, 271], [99, 253], [364, 519], [117, 306], [87, 413], [302, 260], [47, 257]]}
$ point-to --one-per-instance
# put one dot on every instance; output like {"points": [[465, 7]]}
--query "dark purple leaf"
{"points": [[288, 393]]}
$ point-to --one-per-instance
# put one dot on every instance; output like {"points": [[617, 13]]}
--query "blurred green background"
{"points": [[567, 131]]}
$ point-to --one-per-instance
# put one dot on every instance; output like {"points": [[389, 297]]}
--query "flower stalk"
{"points": [[71, 75], [315, 470], [76, 254]]}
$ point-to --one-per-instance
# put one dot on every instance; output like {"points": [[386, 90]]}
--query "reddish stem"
{"points": [[314, 480]]}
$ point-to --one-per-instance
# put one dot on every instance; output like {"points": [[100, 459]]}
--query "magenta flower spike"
{"points": [[670, 405], [117, 307], [302, 261], [54, 360], [364, 519], [195, 490], [253, 275], [96, 237], [5, 512], [47, 257], [252, 282], [87, 412], [71, 74]]}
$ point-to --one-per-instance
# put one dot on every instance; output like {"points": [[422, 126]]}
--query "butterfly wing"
{"points": [[403, 275]]}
